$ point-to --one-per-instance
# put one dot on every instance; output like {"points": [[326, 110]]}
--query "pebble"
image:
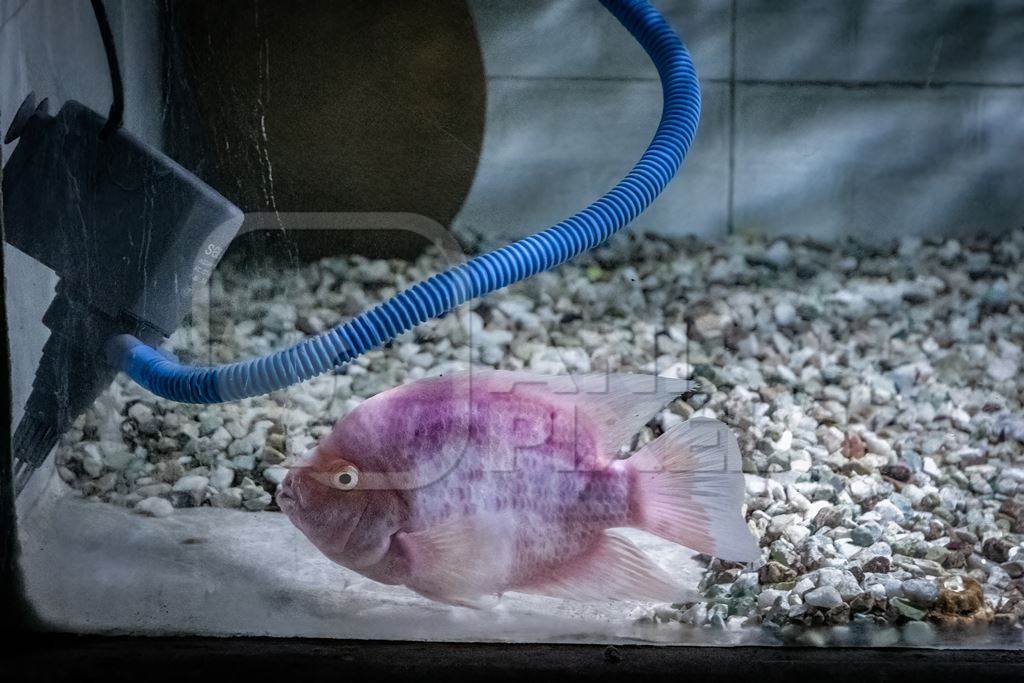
{"points": [[210, 423], [272, 456], [222, 477], [144, 418], [884, 637], [804, 585], [154, 507], [243, 462], [863, 488], [92, 463], [116, 458], [960, 595], [918, 633], [996, 549], [1003, 369], [779, 255], [260, 502], [195, 485], [907, 610], [888, 511], [275, 474], [866, 534], [877, 564], [228, 498], [825, 596], [920, 592], [785, 314], [796, 533], [220, 439], [696, 615]]}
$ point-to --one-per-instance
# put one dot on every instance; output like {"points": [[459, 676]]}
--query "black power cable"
{"points": [[116, 116]]}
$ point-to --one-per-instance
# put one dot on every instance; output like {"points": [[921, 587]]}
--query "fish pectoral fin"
{"points": [[614, 569], [459, 561]]}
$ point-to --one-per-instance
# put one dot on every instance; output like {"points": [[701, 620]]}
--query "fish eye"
{"points": [[346, 479]]}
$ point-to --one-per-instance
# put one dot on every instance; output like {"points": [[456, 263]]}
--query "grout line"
{"points": [[600, 79], [790, 83], [10, 17], [730, 223], [875, 85]]}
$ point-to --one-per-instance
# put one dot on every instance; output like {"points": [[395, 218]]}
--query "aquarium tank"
{"points": [[607, 322]]}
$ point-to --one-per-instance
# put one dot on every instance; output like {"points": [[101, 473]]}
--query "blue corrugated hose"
{"points": [[481, 275]]}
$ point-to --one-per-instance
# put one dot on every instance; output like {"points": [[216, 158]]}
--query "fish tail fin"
{"points": [[689, 489]]}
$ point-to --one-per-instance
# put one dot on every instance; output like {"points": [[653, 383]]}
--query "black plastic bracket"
{"points": [[129, 232]]}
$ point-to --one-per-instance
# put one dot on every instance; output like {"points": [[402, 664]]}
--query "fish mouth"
{"points": [[291, 501], [287, 497], [285, 500]]}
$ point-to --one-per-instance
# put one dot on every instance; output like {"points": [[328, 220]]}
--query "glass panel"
{"points": [[837, 271]]}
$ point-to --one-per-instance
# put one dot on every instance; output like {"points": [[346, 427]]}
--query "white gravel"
{"points": [[876, 392]]}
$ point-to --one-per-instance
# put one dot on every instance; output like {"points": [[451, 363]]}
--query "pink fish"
{"points": [[469, 485]]}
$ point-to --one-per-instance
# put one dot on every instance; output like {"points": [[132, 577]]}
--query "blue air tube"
{"points": [[477, 277]]}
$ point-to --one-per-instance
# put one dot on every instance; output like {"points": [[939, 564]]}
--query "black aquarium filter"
{"points": [[129, 232]]}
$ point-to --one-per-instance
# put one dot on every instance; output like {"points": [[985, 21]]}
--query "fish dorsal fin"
{"points": [[618, 405], [614, 569], [460, 560]]}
